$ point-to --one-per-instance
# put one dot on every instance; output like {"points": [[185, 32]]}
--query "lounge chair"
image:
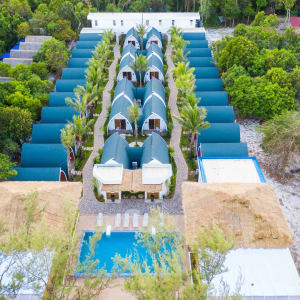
{"points": [[108, 230], [100, 220], [118, 220], [145, 220], [153, 230], [135, 221], [126, 220]]}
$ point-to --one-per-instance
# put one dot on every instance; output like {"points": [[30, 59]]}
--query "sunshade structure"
{"points": [[223, 150], [219, 114], [68, 85], [46, 159], [73, 73]]}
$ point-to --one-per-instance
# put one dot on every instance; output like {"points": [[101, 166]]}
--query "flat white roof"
{"points": [[147, 14], [156, 173], [108, 173], [261, 272], [229, 170]]}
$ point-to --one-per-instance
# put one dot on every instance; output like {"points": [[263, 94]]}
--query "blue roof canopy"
{"points": [[124, 86], [56, 115], [224, 149], [68, 85], [154, 86], [209, 85], [219, 114], [201, 62], [44, 155], [127, 61], [73, 73], [132, 32], [153, 48], [154, 61], [220, 133], [154, 105], [129, 49], [198, 52], [153, 31], [193, 36], [37, 174], [86, 44], [78, 62], [206, 72], [82, 53], [47, 133], [219, 98], [58, 98], [90, 36], [197, 44]]}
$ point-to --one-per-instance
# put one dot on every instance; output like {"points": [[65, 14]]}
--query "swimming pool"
{"points": [[119, 242]]}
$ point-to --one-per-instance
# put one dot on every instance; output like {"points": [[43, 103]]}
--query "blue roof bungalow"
{"points": [[125, 69], [154, 50], [132, 38], [61, 114], [68, 85], [155, 69], [129, 50], [119, 116], [59, 98], [153, 36], [124, 88], [154, 87], [39, 174], [143, 171]]}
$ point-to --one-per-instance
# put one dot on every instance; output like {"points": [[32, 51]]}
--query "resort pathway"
{"points": [[87, 172], [175, 205]]}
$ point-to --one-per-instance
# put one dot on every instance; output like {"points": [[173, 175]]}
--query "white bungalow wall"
{"points": [[153, 69], [157, 95], [153, 38], [111, 123], [132, 38], [153, 116], [126, 69]]}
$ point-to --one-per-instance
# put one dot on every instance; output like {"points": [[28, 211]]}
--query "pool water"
{"points": [[122, 243]]}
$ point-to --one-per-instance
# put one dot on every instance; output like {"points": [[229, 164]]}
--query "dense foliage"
{"points": [[260, 68]]}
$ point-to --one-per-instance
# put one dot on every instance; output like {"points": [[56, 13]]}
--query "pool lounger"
{"points": [[135, 221], [118, 220], [126, 220], [108, 230], [145, 220], [100, 220]]}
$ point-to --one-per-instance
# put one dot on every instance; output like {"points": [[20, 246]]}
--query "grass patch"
{"points": [[89, 142], [174, 173], [98, 108], [79, 163]]}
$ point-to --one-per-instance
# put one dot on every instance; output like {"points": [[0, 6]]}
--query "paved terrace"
{"points": [[89, 204]]}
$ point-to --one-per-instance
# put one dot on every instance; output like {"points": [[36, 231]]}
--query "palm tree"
{"points": [[182, 68], [67, 138], [81, 128], [134, 115], [141, 31], [192, 120], [185, 84], [140, 65], [191, 99], [175, 31]]}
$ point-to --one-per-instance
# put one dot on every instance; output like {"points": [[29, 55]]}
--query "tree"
{"points": [[260, 4], [181, 69], [141, 31], [67, 137], [185, 84], [192, 120], [40, 69], [15, 123], [140, 65], [6, 168], [134, 115], [5, 69], [54, 53], [175, 31], [282, 138], [23, 30], [288, 4]]}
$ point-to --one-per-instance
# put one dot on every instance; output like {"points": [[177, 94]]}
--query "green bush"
{"points": [[265, 20], [40, 69], [5, 69]]}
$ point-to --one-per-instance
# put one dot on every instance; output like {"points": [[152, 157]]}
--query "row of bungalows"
{"points": [[45, 158], [136, 172], [153, 54], [232, 191]]}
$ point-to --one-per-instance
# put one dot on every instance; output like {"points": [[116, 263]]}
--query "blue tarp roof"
{"points": [[153, 48], [58, 98], [82, 53], [124, 86], [73, 73], [206, 72], [86, 44], [155, 147], [220, 133], [198, 52], [201, 61], [78, 62], [57, 115], [193, 36], [219, 114], [219, 98], [154, 86], [90, 36], [209, 85], [121, 105], [47, 133], [68, 85], [224, 150], [5, 55], [37, 174], [44, 155]]}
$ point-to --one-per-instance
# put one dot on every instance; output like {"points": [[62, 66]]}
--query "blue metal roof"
{"points": [[154, 61], [193, 36], [68, 85], [154, 105], [132, 32], [153, 31], [154, 86], [206, 72], [153, 48], [78, 62], [82, 53], [220, 133], [73, 73], [201, 62], [198, 52], [197, 44], [124, 86], [219, 114], [86, 44], [155, 147], [224, 149], [115, 148], [44, 155], [129, 49], [90, 36], [209, 85], [61, 114], [47, 133], [127, 61], [219, 98], [37, 174], [58, 98], [121, 105]]}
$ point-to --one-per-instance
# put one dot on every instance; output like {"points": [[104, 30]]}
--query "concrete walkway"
{"points": [[182, 169], [87, 173]]}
